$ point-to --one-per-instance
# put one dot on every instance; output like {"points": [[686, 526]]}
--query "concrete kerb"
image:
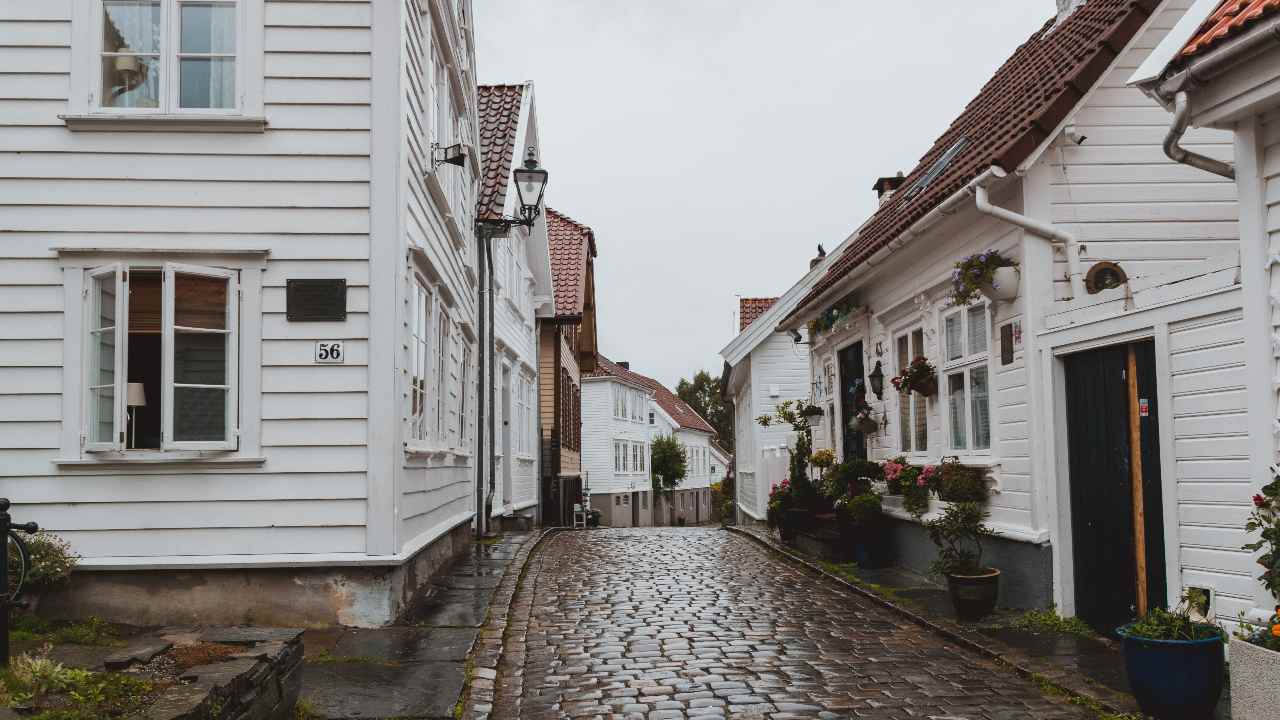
{"points": [[495, 626], [937, 628]]}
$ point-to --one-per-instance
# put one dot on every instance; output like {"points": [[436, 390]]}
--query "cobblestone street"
{"points": [[669, 623]]}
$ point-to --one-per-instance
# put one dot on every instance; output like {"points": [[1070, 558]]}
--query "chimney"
{"points": [[1066, 7], [822, 255], [625, 365], [886, 186]]}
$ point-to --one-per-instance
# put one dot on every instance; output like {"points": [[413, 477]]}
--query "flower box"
{"points": [[1255, 681]]}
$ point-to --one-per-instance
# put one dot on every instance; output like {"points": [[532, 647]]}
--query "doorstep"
{"points": [[419, 667], [1089, 669]]}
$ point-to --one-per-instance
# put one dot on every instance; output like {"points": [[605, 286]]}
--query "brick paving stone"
{"points": [[691, 622]]}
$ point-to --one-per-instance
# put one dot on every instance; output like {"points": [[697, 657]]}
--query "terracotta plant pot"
{"points": [[927, 388], [974, 596], [1255, 681], [1004, 285]]}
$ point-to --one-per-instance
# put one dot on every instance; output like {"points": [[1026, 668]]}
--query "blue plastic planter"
{"points": [[1174, 679]]}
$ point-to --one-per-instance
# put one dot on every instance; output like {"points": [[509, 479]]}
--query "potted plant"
{"points": [[961, 483], [862, 528], [1255, 650], [812, 414], [779, 514], [919, 376], [916, 481], [1175, 664], [958, 534], [988, 273], [823, 458], [892, 471]]}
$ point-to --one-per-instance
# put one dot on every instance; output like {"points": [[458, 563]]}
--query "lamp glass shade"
{"points": [[530, 184], [876, 379], [137, 396]]}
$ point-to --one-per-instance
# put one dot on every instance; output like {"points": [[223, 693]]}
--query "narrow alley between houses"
{"points": [[684, 622]]}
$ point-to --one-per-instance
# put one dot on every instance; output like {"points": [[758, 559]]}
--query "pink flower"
{"points": [[1259, 501], [892, 470], [921, 481]]}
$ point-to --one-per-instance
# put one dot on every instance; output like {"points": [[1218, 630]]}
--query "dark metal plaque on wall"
{"points": [[315, 300]]}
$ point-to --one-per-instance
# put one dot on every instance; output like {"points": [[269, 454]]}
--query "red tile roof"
{"points": [[1231, 18], [571, 243], [499, 121], [670, 403], [1013, 114], [751, 308]]}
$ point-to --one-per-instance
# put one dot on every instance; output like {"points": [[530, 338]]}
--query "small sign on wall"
{"points": [[315, 300], [330, 352]]}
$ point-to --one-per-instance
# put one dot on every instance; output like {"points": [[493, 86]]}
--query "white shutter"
{"points": [[200, 401], [106, 319]]}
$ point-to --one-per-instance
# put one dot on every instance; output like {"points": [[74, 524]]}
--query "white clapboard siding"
{"points": [[300, 190]]}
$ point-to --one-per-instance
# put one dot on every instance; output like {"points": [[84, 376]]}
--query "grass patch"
{"points": [[1049, 688], [48, 690], [29, 629], [304, 710], [1049, 621], [324, 657], [849, 571]]}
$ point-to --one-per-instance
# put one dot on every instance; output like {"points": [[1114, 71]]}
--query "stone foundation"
{"points": [[295, 597]]}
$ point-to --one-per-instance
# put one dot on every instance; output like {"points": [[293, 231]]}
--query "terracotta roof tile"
{"points": [[1231, 18], [1013, 114], [751, 308], [499, 120], [571, 243], [670, 403]]}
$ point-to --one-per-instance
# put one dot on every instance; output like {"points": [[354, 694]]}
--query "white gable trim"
{"points": [[1153, 67]]}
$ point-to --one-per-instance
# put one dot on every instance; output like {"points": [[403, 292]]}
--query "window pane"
{"points": [[199, 358], [917, 344], [200, 302], [981, 409], [131, 26], [904, 399], [921, 422], [977, 330], [955, 408], [102, 373], [199, 414], [955, 348], [208, 83], [104, 410], [130, 81], [208, 28]]}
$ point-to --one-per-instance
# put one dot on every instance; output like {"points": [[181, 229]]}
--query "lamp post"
{"points": [[531, 184]]}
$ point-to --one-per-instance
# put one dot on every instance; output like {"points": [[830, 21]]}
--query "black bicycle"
{"points": [[19, 565]]}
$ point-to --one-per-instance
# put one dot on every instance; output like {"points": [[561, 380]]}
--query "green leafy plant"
{"points": [[861, 510], [1175, 624], [958, 534], [961, 483], [57, 692], [823, 458], [1265, 520], [781, 499], [974, 272], [832, 316], [667, 463], [51, 560], [849, 479], [1049, 621], [919, 375], [787, 412]]}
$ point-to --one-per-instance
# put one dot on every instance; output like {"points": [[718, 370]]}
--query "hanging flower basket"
{"points": [[813, 415], [975, 274], [864, 423], [1003, 286], [927, 387], [920, 376]]}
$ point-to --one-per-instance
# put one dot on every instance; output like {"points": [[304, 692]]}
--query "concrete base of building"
{"points": [[288, 597], [1026, 569]]}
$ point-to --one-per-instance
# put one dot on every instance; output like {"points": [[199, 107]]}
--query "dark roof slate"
{"points": [[499, 110]]}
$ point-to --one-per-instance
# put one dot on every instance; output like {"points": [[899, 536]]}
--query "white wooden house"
{"points": [[1220, 68], [176, 400], [1125, 257], [522, 294]]}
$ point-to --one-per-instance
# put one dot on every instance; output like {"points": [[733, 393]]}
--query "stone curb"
{"points": [[951, 634], [487, 653]]}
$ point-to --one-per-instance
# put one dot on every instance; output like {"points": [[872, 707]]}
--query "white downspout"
{"points": [[1173, 142], [1070, 247]]}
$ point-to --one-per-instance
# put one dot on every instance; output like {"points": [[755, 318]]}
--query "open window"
{"points": [[162, 356]]}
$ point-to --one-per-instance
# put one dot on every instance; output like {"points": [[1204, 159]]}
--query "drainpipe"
{"points": [[482, 300], [1070, 247], [1179, 154]]}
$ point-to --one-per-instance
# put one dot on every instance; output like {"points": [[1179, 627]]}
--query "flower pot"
{"points": [[927, 387], [1004, 284], [813, 420], [1174, 679], [1255, 681], [865, 425], [974, 596]]}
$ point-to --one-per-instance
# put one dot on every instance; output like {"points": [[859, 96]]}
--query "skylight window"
{"points": [[937, 168]]}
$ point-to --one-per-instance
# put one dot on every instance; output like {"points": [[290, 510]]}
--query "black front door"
{"points": [[1099, 413], [853, 396]]}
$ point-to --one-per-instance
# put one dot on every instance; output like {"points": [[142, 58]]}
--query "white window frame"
{"points": [[86, 68], [168, 329], [964, 365], [422, 334], [115, 271], [464, 424], [917, 404], [443, 354]]}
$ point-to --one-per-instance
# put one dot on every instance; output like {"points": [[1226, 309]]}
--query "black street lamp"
{"points": [[531, 183], [877, 381]]}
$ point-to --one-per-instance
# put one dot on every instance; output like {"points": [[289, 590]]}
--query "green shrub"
{"points": [[861, 509], [1176, 624], [962, 483], [958, 534], [52, 560]]}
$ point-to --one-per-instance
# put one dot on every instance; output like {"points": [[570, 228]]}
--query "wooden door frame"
{"points": [[1123, 331]]}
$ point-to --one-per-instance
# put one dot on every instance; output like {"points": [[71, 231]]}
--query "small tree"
{"points": [[788, 412], [667, 462]]}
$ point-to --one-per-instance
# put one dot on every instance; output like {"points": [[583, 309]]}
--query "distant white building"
{"points": [[623, 411]]}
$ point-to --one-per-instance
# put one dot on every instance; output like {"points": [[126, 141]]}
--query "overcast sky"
{"points": [[712, 144]]}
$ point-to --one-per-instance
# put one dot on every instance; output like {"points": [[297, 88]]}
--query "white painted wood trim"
{"points": [[1168, 467]]}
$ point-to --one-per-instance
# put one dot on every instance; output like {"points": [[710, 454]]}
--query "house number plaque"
{"points": [[311, 300], [330, 352]]}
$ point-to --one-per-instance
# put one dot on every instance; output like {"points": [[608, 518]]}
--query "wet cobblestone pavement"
{"points": [[672, 623]]}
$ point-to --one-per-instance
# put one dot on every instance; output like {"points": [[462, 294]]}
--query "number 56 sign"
{"points": [[329, 351]]}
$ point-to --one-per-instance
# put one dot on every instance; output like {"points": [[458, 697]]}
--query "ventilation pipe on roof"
{"points": [[1173, 147], [1070, 247]]}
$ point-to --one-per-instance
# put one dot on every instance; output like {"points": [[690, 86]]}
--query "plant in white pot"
{"points": [[1255, 649], [986, 273]]}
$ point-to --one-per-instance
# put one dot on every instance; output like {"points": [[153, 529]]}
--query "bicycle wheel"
{"points": [[19, 562]]}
